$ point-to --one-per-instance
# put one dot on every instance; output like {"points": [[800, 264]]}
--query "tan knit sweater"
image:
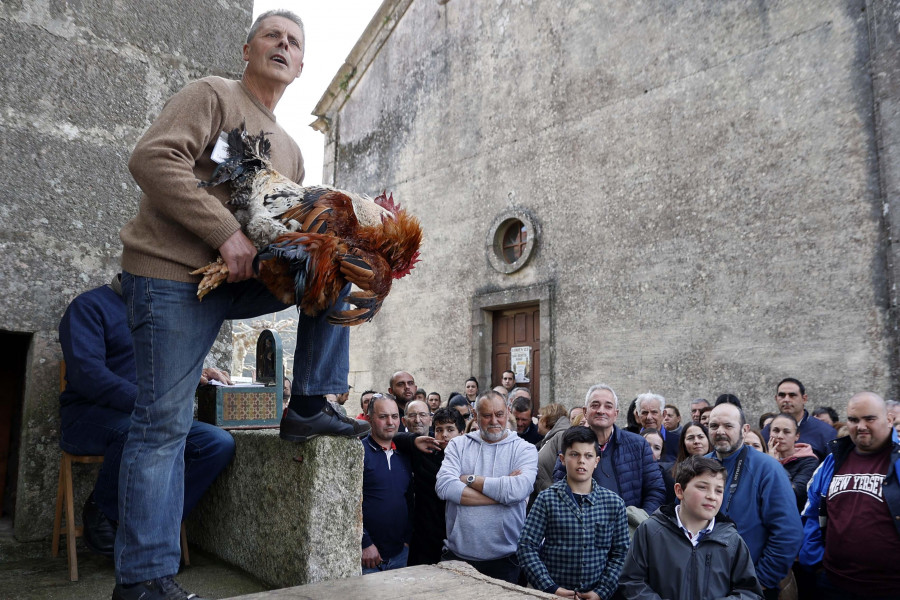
{"points": [[179, 226]]}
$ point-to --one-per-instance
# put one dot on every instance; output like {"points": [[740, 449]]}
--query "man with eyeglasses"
{"points": [[790, 398], [417, 418]]}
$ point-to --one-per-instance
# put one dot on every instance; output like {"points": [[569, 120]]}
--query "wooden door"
{"points": [[516, 345]]}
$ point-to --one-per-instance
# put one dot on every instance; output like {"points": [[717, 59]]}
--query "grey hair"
{"points": [[489, 395], [597, 387], [278, 12], [649, 396]]}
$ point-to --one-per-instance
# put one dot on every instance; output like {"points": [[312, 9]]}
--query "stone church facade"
{"points": [[686, 197]]}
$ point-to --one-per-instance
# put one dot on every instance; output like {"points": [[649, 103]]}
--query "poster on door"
{"points": [[520, 357]]}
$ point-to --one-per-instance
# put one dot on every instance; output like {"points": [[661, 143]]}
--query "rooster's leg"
{"points": [[213, 275]]}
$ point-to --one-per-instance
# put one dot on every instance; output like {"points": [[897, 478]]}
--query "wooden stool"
{"points": [[65, 499]]}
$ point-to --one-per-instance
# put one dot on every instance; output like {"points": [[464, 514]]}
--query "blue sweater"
{"points": [[97, 346], [636, 473], [386, 500], [764, 509]]}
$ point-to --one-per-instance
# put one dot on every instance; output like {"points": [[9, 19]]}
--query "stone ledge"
{"points": [[288, 514], [451, 579]]}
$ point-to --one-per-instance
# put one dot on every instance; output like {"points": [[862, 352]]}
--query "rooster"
{"points": [[312, 240]]}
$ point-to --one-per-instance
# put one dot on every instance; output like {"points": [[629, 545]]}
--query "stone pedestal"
{"points": [[289, 514]]}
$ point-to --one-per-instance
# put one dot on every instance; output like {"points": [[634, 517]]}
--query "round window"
{"points": [[511, 240]]}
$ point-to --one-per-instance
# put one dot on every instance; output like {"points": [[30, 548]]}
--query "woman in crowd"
{"points": [[471, 390], [798, 459], [755, 440], [656, 442], [704, 415], [694, 441]]}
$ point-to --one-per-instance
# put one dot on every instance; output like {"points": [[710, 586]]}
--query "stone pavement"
{"points": [[28, 572], [455, 580]]}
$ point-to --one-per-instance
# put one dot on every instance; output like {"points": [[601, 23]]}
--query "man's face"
{"points": [[434, 402], [403, 387], [577, 410], [702, 496], [789, 399], [671, 421], [444, 432], [364, 402], [825, 418], [417, 418], [521, 394], [580, 459], [276, 51], [384, 420], [492, 419], [725, 429], [600, 410], [508, 380], [523, 420], [867, 421], [649, 415], [696, 407]]}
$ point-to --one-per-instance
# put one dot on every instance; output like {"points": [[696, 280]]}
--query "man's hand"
{"points": [[564, 593], [210, 373], [515, 473], [371, 558], [591, 595], [238, 252], [426, 444]]}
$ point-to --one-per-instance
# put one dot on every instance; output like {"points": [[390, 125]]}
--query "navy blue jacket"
{"points": [[386, 500], [814, 432], [97, 346], [637, 474]]}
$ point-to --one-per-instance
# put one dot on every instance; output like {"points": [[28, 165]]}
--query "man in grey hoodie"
{"points": [[486, 478]]}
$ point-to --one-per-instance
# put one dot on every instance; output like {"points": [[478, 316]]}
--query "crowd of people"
{"points": [[570, 503]]}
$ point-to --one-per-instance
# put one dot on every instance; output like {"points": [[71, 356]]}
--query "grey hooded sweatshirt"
{"points": [[492, 531]]}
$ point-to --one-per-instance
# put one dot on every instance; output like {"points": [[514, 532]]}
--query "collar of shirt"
{"points": [[695, 539]]}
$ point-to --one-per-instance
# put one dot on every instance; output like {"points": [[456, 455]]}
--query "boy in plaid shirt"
{"points": [[575, 538]]}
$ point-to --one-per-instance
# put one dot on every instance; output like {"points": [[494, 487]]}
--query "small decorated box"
{"points": [[248, 406]]}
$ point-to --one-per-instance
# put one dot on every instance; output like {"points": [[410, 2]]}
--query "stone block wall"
{"points": [[288, 514], [82, 81], [714, 184]]}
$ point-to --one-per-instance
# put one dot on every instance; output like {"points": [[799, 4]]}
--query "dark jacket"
{"points": [[637, 474], [386, 500], [662, 562], [428, 525], [814, 516]]}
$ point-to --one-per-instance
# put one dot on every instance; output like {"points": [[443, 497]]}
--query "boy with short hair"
{"points": [[690, 551], [429, 527], [575, 538]]}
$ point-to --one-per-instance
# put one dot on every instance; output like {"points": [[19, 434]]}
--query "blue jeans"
{"points": [[103, 430], [394, 562], [173, 332]]}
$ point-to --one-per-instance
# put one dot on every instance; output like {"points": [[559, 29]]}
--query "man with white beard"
{"points": [[486, 479]]}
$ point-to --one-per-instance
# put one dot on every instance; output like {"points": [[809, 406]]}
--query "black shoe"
{"points": [[99, 532], [164, 588], [295, 428]]}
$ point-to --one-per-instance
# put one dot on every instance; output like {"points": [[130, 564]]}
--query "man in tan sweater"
{"points": [[180, 227]]}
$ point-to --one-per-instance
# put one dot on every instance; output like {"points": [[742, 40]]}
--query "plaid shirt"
{"points": [[575, 547]]}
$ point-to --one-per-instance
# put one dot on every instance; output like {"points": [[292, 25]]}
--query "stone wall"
{"points": [[82, 82], [710, 181], [289, 514]]}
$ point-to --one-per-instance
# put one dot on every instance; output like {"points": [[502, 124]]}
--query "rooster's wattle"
{"points": [[313, 240]]}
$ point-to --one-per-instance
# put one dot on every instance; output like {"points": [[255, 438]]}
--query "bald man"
{"points": [[859, 484], [758, 498]]}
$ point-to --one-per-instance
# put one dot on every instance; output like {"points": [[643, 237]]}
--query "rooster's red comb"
{"points": [[387, 202]]}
